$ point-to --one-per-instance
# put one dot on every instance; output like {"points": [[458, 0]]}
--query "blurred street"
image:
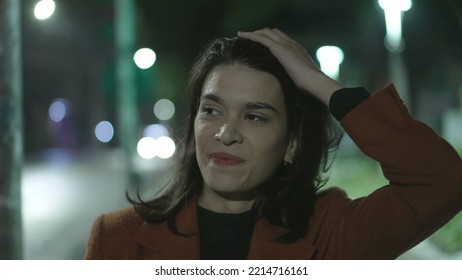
{"points": [[63, 195]]}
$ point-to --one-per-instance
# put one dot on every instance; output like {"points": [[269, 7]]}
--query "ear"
{"points": [[290, 150]]}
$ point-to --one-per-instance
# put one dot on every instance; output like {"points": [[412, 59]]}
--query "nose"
{"points": [[229, 134]]}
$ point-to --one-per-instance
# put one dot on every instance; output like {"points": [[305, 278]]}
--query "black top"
{"points": [[227, 236]]}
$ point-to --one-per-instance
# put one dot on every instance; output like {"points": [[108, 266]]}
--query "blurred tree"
{"points": [[11, 130], [125, 39]]}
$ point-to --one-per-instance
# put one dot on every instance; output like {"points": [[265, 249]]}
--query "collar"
{"points": [[163, 244]]}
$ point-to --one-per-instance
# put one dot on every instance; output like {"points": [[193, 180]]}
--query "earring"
{"points": [[287, 163]]}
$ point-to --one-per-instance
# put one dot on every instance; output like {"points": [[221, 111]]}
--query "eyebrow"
{"points": [[260, 105], [251, 105]]}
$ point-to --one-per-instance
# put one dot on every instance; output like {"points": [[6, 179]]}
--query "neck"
{"points": [[224, 203]]}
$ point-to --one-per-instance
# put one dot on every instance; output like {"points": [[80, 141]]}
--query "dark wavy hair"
{"points": [[289, 196]]}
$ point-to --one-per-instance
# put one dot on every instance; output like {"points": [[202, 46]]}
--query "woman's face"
{"points": [[240, 131]]}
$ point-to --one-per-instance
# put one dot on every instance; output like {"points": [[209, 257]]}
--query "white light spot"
{"points": [[400, 5], [330, 58], [104, 131], [57, 110], [164, 109], [393, 12], [147, 147], [166, 147], [144, 58], [44, 9]]}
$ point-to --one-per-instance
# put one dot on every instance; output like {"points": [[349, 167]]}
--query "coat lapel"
{"points": [[161, 243]]}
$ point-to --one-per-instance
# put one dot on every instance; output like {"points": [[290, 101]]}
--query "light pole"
{"points": [[394, 43], [394, 10]]}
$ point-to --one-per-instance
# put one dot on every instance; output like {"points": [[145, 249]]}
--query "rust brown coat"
{"points": [[425, 191]]}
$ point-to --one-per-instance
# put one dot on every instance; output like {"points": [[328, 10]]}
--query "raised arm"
{"points": [[425, 182]]}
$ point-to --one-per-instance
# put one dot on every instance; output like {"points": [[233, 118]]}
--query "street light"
{"points": [[330, 58], [394, 43], [144, 58], [44, 9], [393, 11]]}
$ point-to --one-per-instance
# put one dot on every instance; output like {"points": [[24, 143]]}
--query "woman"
{"points": [[257, 140]]}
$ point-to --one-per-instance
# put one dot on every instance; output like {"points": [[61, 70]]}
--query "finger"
{"points": [[282, 34], [266, 32], [273, 34], [257, 37]]}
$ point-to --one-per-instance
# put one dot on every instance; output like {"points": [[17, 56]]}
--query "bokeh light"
{"points": [[144, 58], [165, 147], [401, 5], [147, 147], [104, 131], [44, 9], [393, 12], [57, 110], [330, 58], [164, 109]]}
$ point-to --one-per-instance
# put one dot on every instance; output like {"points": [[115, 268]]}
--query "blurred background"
{"points": [[93, 103]]}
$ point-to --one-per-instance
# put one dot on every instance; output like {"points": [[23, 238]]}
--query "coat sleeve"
{"points": [[425, 182], [94, 248]]}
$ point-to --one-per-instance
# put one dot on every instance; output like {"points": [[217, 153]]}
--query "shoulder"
{"points": [[112, 235], [331, 195], [120, 220]]}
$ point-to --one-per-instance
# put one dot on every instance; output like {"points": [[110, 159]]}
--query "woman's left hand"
{"points": [[296, 61]]}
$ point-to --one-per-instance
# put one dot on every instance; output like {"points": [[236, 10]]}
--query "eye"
{"points": [[210, 111], [256, 118]]}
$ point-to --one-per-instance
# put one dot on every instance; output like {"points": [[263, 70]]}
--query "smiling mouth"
{"points": [[225, 159]]}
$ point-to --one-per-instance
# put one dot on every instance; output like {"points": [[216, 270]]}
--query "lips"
{"points": [[225, 159]]}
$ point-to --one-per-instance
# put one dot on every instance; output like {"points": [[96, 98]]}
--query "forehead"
{"points": [[240, 82]]}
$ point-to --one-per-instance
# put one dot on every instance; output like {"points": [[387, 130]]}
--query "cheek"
{"points": [[197, 137], [199, 129], [270, 153], [199, 144], [203, 134], [196, 132]]}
